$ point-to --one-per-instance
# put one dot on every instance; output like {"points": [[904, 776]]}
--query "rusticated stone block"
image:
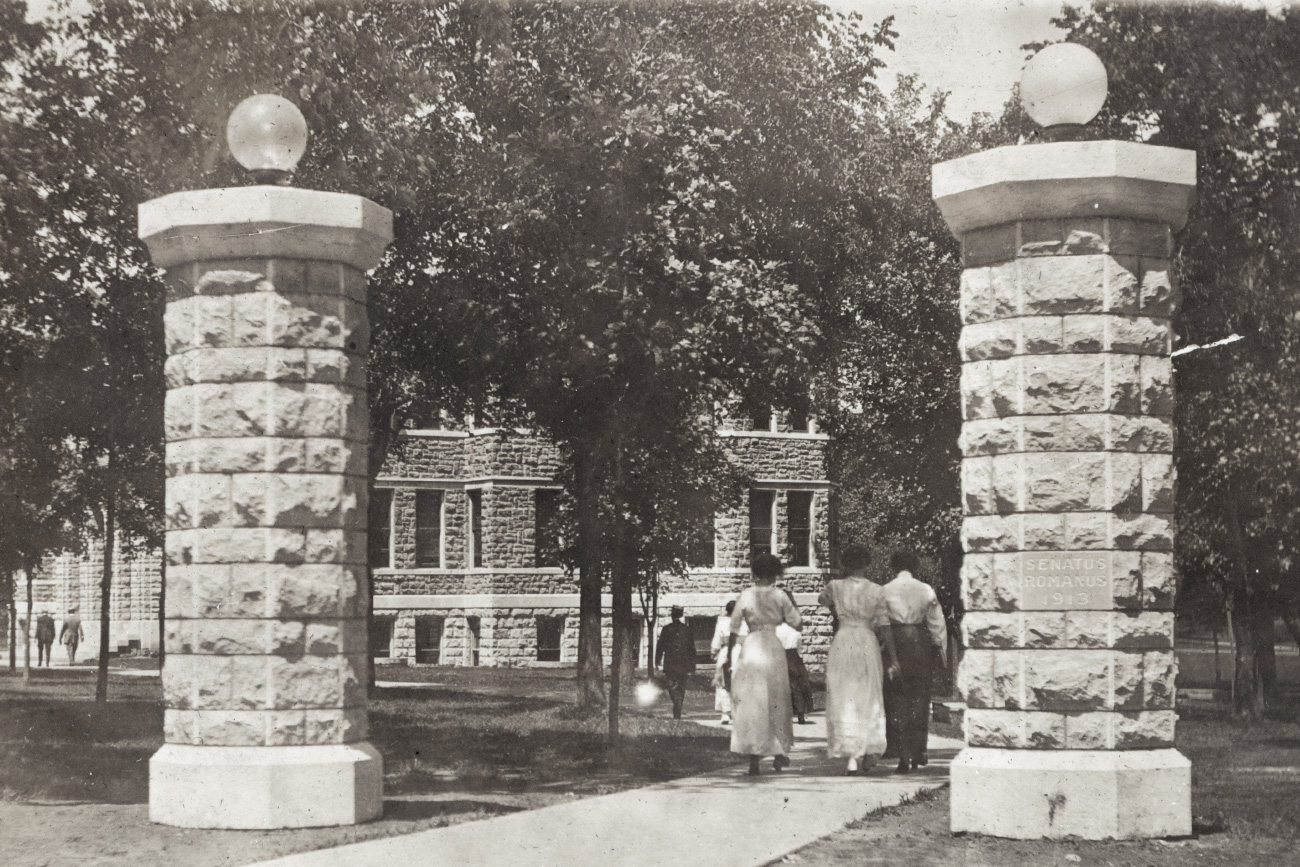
{"points": [[1064, 482], [228, 682], [309, 590], [1042, 335], [1088, 730], [1045, 731], [989, 533], [326, 455], [1142, 532], [1126, 578], [1006, 484], [335, 366], [988, 245], [1064, 680], [1065, 433], [314, 410], [1008, 679], [288, 639], [1158, 580], [296, 500], [1140, 335], [226, 637], [288, 727], [229, 409], [1140, 434], [1159, 671], [975, 295], [975, 678], [1157, 483], [997, 729], [1087, 629], [231, 728], [1144, 730], [1042, 532], [1005, 389], [976, 399], [236, 545], [1146, 630], [988, 340], [977, 486], [1157, 386], [1123, 279], [310, 682], [1064, 384], [1063, 284], [1138, 237], [1125, 481], [353, 673], [1159, 291], [197, 501], [1043, 629], [1040, 237], [1127, 691], [1124, 377], [991, 629], [1085, 332], [989, 437], [178, 414], [1086, 531], [336, 546]]}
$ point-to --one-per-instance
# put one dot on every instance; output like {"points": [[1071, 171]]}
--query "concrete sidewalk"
{"points": [[727, 819]]}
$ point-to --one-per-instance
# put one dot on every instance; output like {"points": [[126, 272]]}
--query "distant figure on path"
{"points": [[801, 697], [676, 656], [855, 700], [71, 634], [760, 680], [44, 639], [723, 663], [921, 643]]}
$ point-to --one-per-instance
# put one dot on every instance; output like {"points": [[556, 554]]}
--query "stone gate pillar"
{"points": [[267, 433], [1068, 488]]}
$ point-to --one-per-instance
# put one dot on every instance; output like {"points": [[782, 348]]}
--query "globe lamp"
{"points": [[1062, 88], [267, 134]]}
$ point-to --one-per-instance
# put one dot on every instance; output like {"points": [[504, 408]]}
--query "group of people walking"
{"points": [[70, 636], [889, 642]]}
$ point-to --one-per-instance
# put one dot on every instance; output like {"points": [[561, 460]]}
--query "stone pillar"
{"points": [[267, 434], [1068, 488]]}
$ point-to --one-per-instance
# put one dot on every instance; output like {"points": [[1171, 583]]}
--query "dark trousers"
{"points": [[907, 696], [43, 649], [676, 684], [801, 698]]}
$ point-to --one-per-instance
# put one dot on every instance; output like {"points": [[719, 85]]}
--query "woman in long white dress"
{"points": [[761, 718], [855, 701]]}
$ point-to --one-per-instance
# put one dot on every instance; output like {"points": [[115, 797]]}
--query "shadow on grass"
{"points": [[409, 810]]}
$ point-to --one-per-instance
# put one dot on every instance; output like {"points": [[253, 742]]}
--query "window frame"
{"points": [[771, 525], [439, 558], [806, 548]]}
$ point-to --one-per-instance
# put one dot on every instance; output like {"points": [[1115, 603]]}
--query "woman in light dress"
{"points": [[722, 652], [760, 685], [855, 701]]}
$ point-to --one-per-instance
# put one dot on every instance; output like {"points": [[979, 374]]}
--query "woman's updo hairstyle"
{"points": [[767, 566], [904, 561]]}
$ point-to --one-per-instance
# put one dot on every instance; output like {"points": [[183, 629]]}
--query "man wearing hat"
{"points": [[675, 654], [71, 634]]}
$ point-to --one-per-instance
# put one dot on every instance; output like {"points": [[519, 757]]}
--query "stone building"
{"points": [[461, 575]]}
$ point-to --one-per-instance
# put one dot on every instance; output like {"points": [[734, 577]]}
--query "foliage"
{"points": [[1225, 82]]}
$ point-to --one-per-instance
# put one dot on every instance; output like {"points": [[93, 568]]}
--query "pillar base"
{"points": [[1092, 794], [265, 787]]}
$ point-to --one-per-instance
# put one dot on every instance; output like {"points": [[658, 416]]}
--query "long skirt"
{"points": [[855, 702], [907, 697], [801, 697], [761, 723]]}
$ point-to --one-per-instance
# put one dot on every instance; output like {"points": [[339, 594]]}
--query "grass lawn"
{"points": [[74, 776], [1245, 804]]}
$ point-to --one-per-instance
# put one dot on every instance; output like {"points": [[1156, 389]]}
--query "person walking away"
{"points": [[921, 645], [675, 655], [855, 701], [71, 635], [44, 639], [801, 698], [760, 679], [722, 670]]}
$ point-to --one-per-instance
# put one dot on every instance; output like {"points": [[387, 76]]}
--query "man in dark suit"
{"points": [[675, 654], [44, 639]]}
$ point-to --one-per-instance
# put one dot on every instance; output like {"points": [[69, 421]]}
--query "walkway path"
{"points": [[723, 819]]}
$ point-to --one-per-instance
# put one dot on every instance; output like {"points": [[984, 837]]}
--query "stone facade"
{"points": [[506, 594], [1067, 298]]}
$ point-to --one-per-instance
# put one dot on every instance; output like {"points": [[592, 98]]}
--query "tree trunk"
{"points": [[1265, 644], [162, 613], [27, 633], [105, 595], [13, 635], [1247, 686], [590, 675]]}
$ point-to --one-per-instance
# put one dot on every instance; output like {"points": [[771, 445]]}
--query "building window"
{"points": [[701, 547], [428, 639], [702, 634], [381, 636], [474, 530], [799, 419], [546, 539], [381, 528], [473, 632], [761, 419], [549, 632], [799, 507], [428, 529], [762, 504]]}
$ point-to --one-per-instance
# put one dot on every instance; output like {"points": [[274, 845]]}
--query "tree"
{"points": [[1225, 82]]}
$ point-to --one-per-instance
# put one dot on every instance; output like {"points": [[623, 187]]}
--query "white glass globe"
{"points": [[267, 133], [1064, 83]]}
